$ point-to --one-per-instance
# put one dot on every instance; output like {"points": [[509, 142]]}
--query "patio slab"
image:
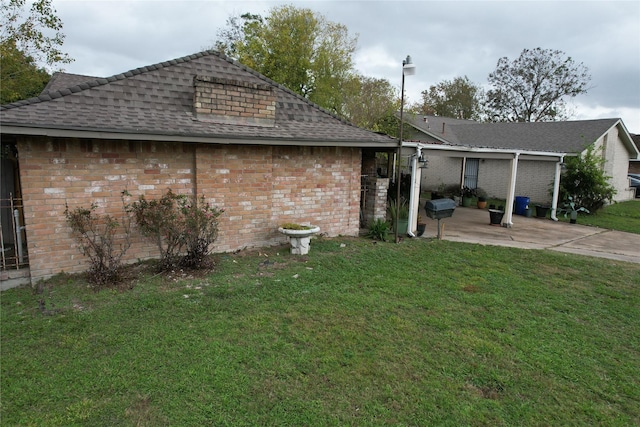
{"points": [[471, 225]]}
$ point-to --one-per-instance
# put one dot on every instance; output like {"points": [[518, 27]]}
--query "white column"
{"points": [[556, 190], [508, 208], [414, 193]]}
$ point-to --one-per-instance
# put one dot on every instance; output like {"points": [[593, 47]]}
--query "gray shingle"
{"points": [[567, 137], [157, 100], [558, 137]]}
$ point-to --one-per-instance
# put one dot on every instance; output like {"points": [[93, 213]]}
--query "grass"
{"points": [[624, 216], [424, 332]]}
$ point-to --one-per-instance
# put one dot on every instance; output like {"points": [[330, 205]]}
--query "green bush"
{"points": [[379, 229], [585, 181]]}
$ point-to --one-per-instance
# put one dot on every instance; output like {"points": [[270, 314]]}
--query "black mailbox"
{"points": [[440, 208]]}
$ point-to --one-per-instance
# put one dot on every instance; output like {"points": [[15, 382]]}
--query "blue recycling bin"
{"points": [[522, 204]]}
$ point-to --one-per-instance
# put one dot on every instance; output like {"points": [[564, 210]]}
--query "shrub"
{"points": [[96, 235], [201, 230], [585, 182], [379, 229], [183, 228]]}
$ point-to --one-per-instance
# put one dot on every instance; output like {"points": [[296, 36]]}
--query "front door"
{"points": [[471, 173]]}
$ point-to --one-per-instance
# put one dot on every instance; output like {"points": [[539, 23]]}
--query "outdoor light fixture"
{"points": [[408, 69]]}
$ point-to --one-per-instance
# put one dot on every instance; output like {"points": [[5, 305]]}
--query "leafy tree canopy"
{"points": [[371, 104], [21, 77], [533, 87], [36, 32], [28, 38], [296, 48], [458, 98]]}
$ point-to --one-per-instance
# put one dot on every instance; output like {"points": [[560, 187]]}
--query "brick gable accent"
{"points": [[220, 100]]}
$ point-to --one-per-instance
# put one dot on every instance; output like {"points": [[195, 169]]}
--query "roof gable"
{"points": [[62, 80], [158, 100]]}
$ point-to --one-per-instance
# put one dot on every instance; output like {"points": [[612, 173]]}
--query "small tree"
{"points": [[585, 182], [97, 236]]}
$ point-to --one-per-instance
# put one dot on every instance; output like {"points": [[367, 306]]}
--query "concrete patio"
{"points": [[472, 225]]}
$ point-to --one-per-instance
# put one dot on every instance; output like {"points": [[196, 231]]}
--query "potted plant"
{"points": [[421, 227], [572, 209], [439, 193], [299, 236], [542, 211], [402, 220], [467, 195], [482, 198]]}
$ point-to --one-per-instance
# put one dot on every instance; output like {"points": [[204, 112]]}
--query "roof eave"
{"points": [[9, 129], [481, 152], [627, 140]]}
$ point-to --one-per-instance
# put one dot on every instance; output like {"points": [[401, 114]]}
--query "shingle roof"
{"points": [[61, 81], [555, 137], [158, 100], [436, 128], [565, 137]]}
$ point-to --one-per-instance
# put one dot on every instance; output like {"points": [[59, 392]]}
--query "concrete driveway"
{"points": [[471, 225]]}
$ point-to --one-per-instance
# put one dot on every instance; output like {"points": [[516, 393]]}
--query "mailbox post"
{"points": [[439, 209]]}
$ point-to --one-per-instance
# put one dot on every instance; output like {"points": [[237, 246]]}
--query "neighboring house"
{"points": [[634, 164], [200, 125], [535, 173]]}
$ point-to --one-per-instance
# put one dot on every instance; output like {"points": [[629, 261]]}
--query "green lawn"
{"points": [[623, 216], [424, 332]]}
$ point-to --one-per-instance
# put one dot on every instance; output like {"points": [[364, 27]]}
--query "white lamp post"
{"points": [[408, 69]]}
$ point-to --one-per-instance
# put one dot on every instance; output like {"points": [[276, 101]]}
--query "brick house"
{"points": [[199, 125], [543, 142]]}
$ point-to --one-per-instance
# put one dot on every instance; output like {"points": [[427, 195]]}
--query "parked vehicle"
{"points": [[634, 182]]}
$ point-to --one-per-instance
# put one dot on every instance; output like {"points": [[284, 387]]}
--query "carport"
{"points": [[422, 151]]}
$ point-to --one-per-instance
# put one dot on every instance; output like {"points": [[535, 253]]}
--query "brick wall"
{"points": [[259, 187], [375, 199]]}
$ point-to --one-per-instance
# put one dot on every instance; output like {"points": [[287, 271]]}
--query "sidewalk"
{"points": [[471, 225]]}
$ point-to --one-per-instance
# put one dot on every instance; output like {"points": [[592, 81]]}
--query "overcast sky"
{"points": [[445, 39]]}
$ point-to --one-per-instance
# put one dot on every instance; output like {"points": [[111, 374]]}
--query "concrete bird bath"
{"points": [[299, 238]]}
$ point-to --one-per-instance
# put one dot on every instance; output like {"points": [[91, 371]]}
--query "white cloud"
{"points": [[630, 116], [446, 39]]}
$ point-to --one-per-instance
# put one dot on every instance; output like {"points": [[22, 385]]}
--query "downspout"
{"points": [[556, 189], [412, 199]]}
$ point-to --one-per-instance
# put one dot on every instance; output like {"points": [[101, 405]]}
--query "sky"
{"points": [[445, 39]]}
